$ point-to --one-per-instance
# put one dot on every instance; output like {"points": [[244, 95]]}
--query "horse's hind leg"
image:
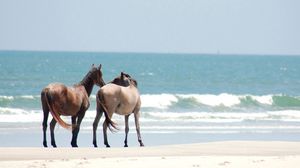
{"points": [[52, 126], [109, 113], [45, 120], [126, 130], [95, 124], [137, 126], [105, 135], [77, 128]]}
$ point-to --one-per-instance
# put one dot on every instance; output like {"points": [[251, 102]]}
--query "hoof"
{"points": [[75, 146], [54, 145], [125, 145], [107, 145], [95, 144], [45, 144], [141, 143]]}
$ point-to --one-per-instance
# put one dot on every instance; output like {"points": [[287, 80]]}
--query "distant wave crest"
{"points": [[221, 101], [177, 102]]}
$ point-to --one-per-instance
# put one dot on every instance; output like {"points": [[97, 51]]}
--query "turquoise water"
{"points": [[181, 93], [27, 72]]}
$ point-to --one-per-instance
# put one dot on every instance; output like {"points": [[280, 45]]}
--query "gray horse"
{"points": [[120, 96]]}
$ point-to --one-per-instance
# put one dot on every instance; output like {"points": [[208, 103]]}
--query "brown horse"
{"points": [[69, 101], [120, 96]]}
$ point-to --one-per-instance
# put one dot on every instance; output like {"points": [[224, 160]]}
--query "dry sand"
{"points": [[246, 154]]}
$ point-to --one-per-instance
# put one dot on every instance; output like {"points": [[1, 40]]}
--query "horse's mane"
{"points": [[87, 78], [87, 81], [134, 82], [120, 80]]}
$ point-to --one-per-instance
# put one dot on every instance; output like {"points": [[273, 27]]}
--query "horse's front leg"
{"points": [[126, 130], [73, 142], [76, 127], [137, 124]]}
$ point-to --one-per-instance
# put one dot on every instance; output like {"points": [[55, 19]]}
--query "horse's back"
{"points": [[64, 98], [121, 100], [56, 87], [130, 98], [110, 89], [114, 90], [130, 92]]}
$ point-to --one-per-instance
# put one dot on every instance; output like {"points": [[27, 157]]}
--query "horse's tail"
{"points": [[108, 122], [54, 113]]}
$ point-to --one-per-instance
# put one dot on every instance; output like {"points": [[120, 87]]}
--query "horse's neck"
{"points": [[120, 83], [88, 83]]}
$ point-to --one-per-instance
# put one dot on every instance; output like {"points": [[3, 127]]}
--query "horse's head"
{"points": [[127, 77], [96, 75], [124, 80]]}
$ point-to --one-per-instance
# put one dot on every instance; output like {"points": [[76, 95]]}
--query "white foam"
{"points": [[224, 127], [223, 117], [163, 101], [10, 111], [214, 129], [19, 115], [7, 97], [266, 99], [158, 101], [291, 114], [214, 100], [21, 118], [29, 97]]}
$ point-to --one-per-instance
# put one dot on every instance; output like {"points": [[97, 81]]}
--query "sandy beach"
{"points": [[213, 154]]}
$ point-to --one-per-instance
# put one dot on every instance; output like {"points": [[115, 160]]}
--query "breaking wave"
{"points": [[221, 102], [222, 108], [178, 102]]}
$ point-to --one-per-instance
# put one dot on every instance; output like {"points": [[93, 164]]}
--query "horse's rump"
{"points": [[54, 111]]}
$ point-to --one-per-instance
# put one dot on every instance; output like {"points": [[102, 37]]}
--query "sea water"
{"points": [[185, 97]]}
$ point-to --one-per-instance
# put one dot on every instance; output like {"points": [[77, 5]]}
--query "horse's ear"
{"points": [[99, 66], [122, 75], [135, 82], [93, 65]]}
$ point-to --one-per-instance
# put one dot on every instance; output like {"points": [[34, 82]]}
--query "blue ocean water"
{"points": [[181, 93]]}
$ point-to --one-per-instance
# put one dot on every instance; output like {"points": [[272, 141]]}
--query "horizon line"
{"points": [[151, 52]]}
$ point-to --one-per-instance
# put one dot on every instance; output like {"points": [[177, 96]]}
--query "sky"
{"points": [[160, 26]]}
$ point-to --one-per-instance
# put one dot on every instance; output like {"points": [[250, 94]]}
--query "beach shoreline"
{"points": [[211, 154]]}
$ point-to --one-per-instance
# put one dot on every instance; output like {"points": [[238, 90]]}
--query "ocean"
{"points": [[186, 98]]}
